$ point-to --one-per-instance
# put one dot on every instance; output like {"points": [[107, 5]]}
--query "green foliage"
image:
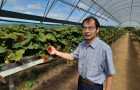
{"points": [[129, 28], [135, 34], [29, 84], [19, 41], [50, 37], [2, 49], [18, 55], [110, 34]]}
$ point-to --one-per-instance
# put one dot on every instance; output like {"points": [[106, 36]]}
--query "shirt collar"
{"points": [[94, 43]]}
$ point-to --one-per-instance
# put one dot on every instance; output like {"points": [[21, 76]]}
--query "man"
{"points": [[95, 63]]}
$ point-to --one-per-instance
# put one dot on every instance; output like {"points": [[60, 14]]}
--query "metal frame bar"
{"points": [[72, 11], [115, 4], [80, 8], [85, 13], [131, 11], [120, 10], [111, 7], [93, 13], [2, 3], [50, 7], [17, 15], [106, 11], [101, 8], [115, 11], [123, 9], [46, 12]]}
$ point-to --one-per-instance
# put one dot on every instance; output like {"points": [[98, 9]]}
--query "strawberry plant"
{"points": [[19, 41]]}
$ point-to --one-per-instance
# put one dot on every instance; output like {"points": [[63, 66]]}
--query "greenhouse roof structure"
{"points": [[108, 12]]}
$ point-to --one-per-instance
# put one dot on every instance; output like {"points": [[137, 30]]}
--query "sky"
{"points": [[58, 10]]}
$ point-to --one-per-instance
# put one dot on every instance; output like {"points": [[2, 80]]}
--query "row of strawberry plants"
{"points": [[19, 41], [136, 35], [111, 34]]}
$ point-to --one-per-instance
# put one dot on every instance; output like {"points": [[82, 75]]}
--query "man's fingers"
{"points": [[49, 48]]}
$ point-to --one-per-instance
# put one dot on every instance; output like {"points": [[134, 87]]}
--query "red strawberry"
{"points": [[49, 49], [22, 39], [19, 40], [45, 58]]}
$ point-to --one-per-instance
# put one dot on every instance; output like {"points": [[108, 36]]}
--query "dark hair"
{"points": [[89, 18]]}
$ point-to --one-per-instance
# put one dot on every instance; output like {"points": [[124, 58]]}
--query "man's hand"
{"points": [[66, 56], [51, 50], [2, 79]]}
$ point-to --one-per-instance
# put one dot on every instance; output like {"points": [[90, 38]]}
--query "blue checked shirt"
{"points": [[95, 61]]}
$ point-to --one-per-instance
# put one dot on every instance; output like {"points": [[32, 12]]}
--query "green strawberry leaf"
{"points": [[2, 49]]}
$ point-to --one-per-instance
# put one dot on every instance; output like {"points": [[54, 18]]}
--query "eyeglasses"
{"points": [[89, 28]]}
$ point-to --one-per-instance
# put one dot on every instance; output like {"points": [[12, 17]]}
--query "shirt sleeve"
{"points": [[108, 65], [75, 53]]}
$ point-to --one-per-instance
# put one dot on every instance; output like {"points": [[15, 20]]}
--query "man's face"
{"points": [[90, 30]]}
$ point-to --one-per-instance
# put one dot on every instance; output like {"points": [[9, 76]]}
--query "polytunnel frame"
{"points": [[11, 14], [101, 7], [30, 17], [17, 15], [106, 9], [110, 8], [124, 7], [111, 16], [81, 8]]}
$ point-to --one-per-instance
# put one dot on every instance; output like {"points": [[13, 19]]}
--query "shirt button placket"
{"points": [[85, 53]]}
